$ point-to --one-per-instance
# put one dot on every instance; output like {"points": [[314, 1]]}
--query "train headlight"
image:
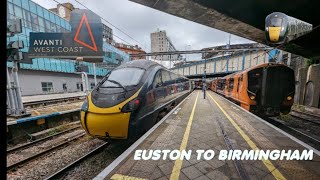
{"points": [[85, 105], [131, 106], [252, 97], [289, 98]]}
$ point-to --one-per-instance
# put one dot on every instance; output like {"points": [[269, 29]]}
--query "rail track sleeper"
{"points": [[39, 140], [43, 152], [76, 162], [300, 135]]}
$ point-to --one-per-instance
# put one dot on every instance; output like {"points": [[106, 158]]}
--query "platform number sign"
{"points": [[84, 40]]}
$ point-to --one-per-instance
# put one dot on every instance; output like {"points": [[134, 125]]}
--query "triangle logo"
{"points": [[76, 37]]}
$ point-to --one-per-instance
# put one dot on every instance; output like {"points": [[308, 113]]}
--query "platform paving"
{"points": [[207, 127]]}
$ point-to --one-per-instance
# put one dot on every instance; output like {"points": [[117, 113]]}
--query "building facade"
{"points": [[107, 34], [64, 10], [160, 42], [50, 75], [131, 50]]}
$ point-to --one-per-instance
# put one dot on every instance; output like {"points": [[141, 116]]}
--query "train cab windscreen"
{"points": [[124, 76], [275, 22], [117, 86]]}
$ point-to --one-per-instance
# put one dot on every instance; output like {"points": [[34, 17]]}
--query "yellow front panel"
{"points": [[274, 33], [116, 125], [111, 120]]}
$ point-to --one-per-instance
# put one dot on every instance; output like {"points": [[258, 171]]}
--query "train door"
{"points": [[230, 87], [236, 88], [239, 87]]}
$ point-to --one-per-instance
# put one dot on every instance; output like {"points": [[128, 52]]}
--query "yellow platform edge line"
{"points": [[275, 172], [178, 163], [123, 177]]}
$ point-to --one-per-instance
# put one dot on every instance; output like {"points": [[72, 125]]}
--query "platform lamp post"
{"points": [[84, 76], [15, 105]]}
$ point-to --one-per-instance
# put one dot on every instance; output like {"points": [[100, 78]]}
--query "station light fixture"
{"points": [[252, 97], [14, 26], [289, 98], [13, 53]]}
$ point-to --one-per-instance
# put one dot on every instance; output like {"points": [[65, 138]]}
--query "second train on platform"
{"points": [[265, 89]]}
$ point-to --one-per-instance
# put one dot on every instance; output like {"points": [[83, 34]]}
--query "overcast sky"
{"points": [[139, 21]]}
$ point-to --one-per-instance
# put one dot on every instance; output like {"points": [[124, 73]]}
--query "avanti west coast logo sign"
{"points": [[84, 40]]}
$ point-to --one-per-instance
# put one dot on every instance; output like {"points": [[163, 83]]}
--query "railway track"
{"points": [[32, 143], [295, 132], [306, 116], [67, 168], [35, 156]]}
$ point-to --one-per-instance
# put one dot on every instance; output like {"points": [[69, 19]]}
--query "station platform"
{"points": [[49, 110], [46, 112], [214, 124], [45, 97]]}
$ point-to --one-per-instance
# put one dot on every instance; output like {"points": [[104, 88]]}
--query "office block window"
{"points": [[47, 87]]}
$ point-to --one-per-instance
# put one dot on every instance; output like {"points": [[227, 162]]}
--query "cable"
{"points": [[100, 17], [113, 25]]}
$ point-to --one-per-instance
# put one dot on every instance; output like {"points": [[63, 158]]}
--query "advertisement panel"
{"points": [[84, 41]]}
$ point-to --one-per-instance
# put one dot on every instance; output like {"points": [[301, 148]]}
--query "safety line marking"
{"points": [[275, 172], [36, 112], [122, 177], [178, 163], [103, 174], [53, 109]]}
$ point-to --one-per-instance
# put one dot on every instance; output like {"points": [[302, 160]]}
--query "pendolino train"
{"points": [[265, 89], [129, 100]]}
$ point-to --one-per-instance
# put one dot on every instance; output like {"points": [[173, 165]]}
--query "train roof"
{"points": [[254, 67], [145, 64]]}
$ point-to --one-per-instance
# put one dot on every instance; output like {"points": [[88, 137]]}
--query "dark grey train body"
{"points": [[130, 99]]}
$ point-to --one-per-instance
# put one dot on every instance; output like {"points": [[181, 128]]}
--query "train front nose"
{"points": [[274, 33], [106, 125]]}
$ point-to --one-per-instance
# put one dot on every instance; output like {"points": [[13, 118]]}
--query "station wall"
{"points": [[31, 82]]}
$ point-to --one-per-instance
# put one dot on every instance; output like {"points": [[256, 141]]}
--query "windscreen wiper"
{"points": [[116, 82]]}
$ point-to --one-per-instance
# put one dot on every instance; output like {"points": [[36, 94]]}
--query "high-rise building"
{"points": [[107, 34], [160, 42]]}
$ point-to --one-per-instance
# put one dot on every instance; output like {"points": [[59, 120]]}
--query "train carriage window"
{"points": [[230, 84], [174, 77], [165, 77], [221, 84], [157, 82]]}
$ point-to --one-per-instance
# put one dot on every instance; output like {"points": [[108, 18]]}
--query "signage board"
{"points": [[84, 40]]}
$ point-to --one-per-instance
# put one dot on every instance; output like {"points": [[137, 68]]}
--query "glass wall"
{"points": [[35, 18]]}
